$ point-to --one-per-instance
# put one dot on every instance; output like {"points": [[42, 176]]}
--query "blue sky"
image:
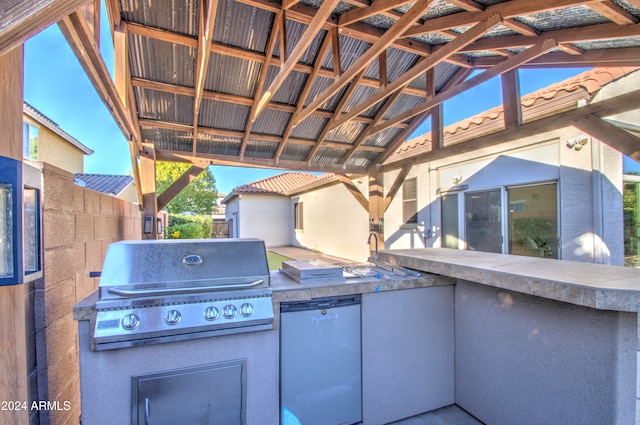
{"points": [[56, 85]]}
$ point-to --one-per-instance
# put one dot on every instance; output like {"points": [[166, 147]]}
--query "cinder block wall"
{"points": [[78, 224]]}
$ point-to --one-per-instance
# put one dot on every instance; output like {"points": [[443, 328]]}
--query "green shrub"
{"points": [[189, 227]]}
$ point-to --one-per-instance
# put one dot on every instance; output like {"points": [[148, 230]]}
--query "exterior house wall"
{"points": [[334, 222], [265, 217], [56, 151], [78, 224], [543, 158]]}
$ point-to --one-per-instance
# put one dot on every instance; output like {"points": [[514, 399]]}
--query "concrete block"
{"points": [[59, 338], [78, 257], [106, 205], [101, 227], [58, 191], [84, 227], [112, 227], [120, 208], [91, 202], [78, 199], [84, 285], [58, 266], [58, 228], [62, 372], [93, 255], [53, 303]]}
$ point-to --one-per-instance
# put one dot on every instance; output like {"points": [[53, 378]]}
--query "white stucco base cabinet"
{"points": [[407, 352]]}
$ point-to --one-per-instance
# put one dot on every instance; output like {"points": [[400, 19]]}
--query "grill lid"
{"points": [[165, 267]]}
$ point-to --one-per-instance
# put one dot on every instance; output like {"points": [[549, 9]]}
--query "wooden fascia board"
{"points": [[17, 26], [609, 134], [183, 181], [353, 190], [307, 38], [76, 32], [397, 184], [504, 66], [613, 106], [367, 57], [424, 65], [181, 156]]}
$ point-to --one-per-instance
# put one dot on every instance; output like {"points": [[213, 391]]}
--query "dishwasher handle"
{"points": [[320, 303]]}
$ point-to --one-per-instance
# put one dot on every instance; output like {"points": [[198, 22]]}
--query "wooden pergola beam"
{"points": [[609, 134], [183, 181], [353, 190], [589, 59], [418, 8], [505, 66], [617, 105], [20, 20], [307, 38], [377, 7], [425, 64], [397, 184], [512, 106], [207, 11], [614, 13]]}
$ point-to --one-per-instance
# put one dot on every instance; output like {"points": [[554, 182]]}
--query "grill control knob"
{"points": [[229, 311], [211, 313], [172, 317], [130, 321], [246, 309]]}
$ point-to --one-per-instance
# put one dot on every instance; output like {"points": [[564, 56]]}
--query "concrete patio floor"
{"points": [[450, 415]]}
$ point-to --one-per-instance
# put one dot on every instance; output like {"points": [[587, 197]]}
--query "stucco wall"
{"points": [[334, 222], [265, 217], [58, 152], [78, 224]]}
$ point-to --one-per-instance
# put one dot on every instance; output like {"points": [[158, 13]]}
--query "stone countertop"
{"points": [[597, 286]]}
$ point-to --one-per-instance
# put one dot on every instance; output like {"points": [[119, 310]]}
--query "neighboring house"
{"points": [[262, 209], [555, 194], [44, 140], [121, 187]]}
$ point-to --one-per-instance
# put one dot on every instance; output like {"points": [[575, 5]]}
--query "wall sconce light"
{"points": [[159, 228], [147, 227], [372, 226], [381, 225], [577, 142], [457, 179]]}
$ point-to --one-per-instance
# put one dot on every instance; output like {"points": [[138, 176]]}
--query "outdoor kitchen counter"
{"points": [[597, 286]]}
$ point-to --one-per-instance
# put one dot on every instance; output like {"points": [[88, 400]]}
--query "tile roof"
{"points": [[587, 83], [51, 125], [278, 184], [103, 183]]}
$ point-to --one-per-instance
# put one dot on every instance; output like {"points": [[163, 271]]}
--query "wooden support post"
{"points": [[13, 345], [148, 183], [376, 206]]}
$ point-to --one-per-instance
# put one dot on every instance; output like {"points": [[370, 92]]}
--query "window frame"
{"points": [[298, 216], [413, 219]]}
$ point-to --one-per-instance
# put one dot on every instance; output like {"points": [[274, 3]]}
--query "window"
{"points": [[631, 202], [6, 230], [29, 141], [533, 220], [450, 220], [483, 221], [410, 201], [298, 216], [31, 230]]}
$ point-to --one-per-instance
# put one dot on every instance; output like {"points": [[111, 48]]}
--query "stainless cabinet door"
{"points": [[205, 395]]}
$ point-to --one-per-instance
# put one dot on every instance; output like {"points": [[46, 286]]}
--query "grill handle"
{"points": [[180, 291]]}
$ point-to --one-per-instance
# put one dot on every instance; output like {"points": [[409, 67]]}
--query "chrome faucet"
{"points": [[374, 234]]}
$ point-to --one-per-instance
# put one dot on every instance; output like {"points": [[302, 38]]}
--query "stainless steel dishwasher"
{"points": [[320, 362]]}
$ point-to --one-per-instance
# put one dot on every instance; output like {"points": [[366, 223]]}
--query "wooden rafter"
{"points": [[335, 51], [183, 181], [314, 27], [425, 64], [329, 125], [418, 8], [377, 119], [376, 8], [468, 5], [324, 48], [261, 80], [437, 125], [205, 35], [506, 65], [604, 108], [614, 13], [521, 27]]}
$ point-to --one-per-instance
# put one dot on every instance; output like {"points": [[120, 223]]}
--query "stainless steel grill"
{"points": [[166, 290]]}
